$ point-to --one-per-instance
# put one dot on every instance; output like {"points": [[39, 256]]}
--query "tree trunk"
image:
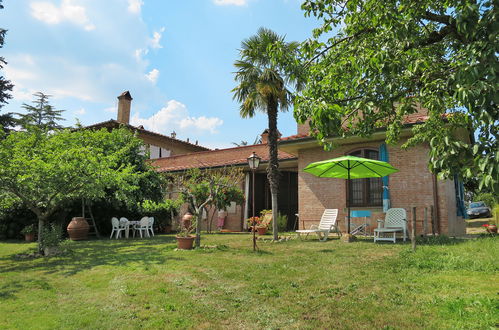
{"points": [[273, 169], [41, 224], [198, 230]]}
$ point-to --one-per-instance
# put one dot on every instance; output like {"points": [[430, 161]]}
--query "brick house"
{"points": [[236, 214], [159, 145], [413, 186]]}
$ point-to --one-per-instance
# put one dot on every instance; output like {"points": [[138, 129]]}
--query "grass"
{"points": [[110, 284]]}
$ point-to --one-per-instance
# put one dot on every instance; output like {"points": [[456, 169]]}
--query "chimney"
{"points": [[124, 105], [265, 136]]}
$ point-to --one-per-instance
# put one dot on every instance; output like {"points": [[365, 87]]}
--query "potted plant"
{"points": [[264, 222], [51, 239], [29, 233], [251, 221], [185, 240]]}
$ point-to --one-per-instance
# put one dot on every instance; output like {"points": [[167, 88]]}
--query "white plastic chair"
{"points": [[151, 225], [395, 221], [125, 225], [326, 225], [143, 226], [117, 229]]}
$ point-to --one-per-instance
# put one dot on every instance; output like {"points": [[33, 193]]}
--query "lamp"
{"points": [[253, 162]]}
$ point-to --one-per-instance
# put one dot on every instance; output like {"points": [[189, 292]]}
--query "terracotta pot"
{"points": [[185, 243], [492, 229], [29, 237], [78, 229], [261, 230], [186, 220]]}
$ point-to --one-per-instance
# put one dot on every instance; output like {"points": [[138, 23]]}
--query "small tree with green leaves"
{"points": [[48, 171], [211, 187]]}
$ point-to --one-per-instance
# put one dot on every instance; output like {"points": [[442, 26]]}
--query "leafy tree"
{"points": [[266, 70], [201, 189], [41, 114], [48, 171], [7, 122], [5, 85], [374, 61]]}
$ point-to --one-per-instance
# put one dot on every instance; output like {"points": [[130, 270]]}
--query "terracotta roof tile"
{"points": [[114, 123], [216, 158]]}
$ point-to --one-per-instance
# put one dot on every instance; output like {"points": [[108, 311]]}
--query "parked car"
{"points": [[478, 210]]}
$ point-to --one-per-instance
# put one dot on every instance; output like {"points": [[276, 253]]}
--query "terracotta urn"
{"points": [[78, 229], [186, 220], [29, 237], [261, 230], [185, 243]]}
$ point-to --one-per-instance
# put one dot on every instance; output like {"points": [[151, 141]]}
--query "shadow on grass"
{"points": [[10, 289], [86, 255]]}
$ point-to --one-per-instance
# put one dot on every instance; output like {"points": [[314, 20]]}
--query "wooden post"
{"points": [[425, 221], [413, 229], [433, 224]]}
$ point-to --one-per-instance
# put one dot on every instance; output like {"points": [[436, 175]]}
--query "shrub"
{"points": [[29, 229], [282, 222], [488, 198], [495, 212], [52, 236]]}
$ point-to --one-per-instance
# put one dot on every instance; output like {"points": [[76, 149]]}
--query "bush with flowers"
{"points": [[259, 221]]}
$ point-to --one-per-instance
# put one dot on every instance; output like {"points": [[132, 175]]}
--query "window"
{"points": [[366, 192]]}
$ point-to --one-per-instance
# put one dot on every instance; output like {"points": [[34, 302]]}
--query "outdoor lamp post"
{"points": [[253, 162]]}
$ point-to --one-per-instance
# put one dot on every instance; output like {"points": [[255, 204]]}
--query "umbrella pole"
{"points": [[348, 199]]}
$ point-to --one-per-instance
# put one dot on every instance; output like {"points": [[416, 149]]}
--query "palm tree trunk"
{"points": [[273, 169]]}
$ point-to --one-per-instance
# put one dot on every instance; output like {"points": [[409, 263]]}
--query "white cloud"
{"points": [[175, 117], [202, 123], [140, 53], [153, 76], [134, 6], [156, 38], [230, 2], [49, 13], [81, 111]]}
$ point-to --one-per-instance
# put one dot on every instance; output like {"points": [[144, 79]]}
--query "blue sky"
{"points": [[174, 56]]}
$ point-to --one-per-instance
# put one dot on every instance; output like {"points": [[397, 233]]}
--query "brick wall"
{"points": [[411, 186]]}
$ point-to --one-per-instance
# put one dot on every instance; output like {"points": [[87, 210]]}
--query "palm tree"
{"points": [[268, 65]]}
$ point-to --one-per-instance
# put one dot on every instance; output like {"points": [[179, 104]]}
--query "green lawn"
{"points": [[110, 284]]}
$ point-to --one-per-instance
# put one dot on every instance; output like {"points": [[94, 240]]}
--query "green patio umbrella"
{"points": [[350, 167]]}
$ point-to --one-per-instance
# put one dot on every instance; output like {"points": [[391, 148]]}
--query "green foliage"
{"points": [[51, 236], [371, 63], [495, 213], [29, 229], [41, 114], [161, 211], [282, 222], [5, 85], [211, 187], [47, 172], [488, 198], [268, 68]]}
